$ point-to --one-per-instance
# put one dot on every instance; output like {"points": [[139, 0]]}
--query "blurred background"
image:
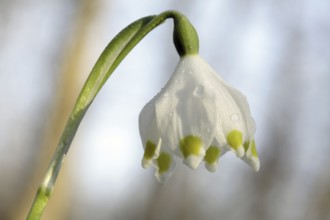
{"points": [[276, 52]]}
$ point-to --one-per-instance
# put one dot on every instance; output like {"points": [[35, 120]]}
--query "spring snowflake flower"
{"points": [[196, 117]]}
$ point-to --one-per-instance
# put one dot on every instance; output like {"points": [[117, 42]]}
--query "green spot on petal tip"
{"points": [[246, 145], [235, 140], [164, 162], [150, 150], [191, 145], [212, 154], [254, 149]]}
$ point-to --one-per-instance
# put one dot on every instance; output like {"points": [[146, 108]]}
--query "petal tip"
{"points": [[162, 177], [146, 163], [239, 151], [211, 167], [255, 163], [192, 161]]}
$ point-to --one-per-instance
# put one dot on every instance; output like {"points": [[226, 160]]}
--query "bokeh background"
{"points": [[277, 52]]}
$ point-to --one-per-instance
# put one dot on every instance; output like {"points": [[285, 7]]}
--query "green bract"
{"points": [[196, 117]]}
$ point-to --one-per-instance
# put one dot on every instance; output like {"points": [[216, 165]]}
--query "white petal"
{"points": [[147, 124], [243, 105], [149, 135], [185, 106]]}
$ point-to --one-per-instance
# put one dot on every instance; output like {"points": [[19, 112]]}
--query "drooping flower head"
{"points": [[196, 117]]}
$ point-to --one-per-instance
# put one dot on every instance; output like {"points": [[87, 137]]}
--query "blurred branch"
{"points": [[69, 86]]}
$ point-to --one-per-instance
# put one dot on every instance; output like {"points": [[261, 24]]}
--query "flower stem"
{"points": [[109, 60]]}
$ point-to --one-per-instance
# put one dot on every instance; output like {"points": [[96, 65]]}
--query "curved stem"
{"points": [[109, 60], [185, 36]]}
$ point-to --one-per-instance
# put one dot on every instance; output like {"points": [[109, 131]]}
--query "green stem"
{"points": [[109, 60]]}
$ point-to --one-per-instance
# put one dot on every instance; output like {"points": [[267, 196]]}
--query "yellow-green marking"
{"points": [[164, 162], [212, 154], [191, 145], [235, 139], [150, 150]]}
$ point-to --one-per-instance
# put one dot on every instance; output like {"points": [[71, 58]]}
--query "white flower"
{"points": [[197, 116]]}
